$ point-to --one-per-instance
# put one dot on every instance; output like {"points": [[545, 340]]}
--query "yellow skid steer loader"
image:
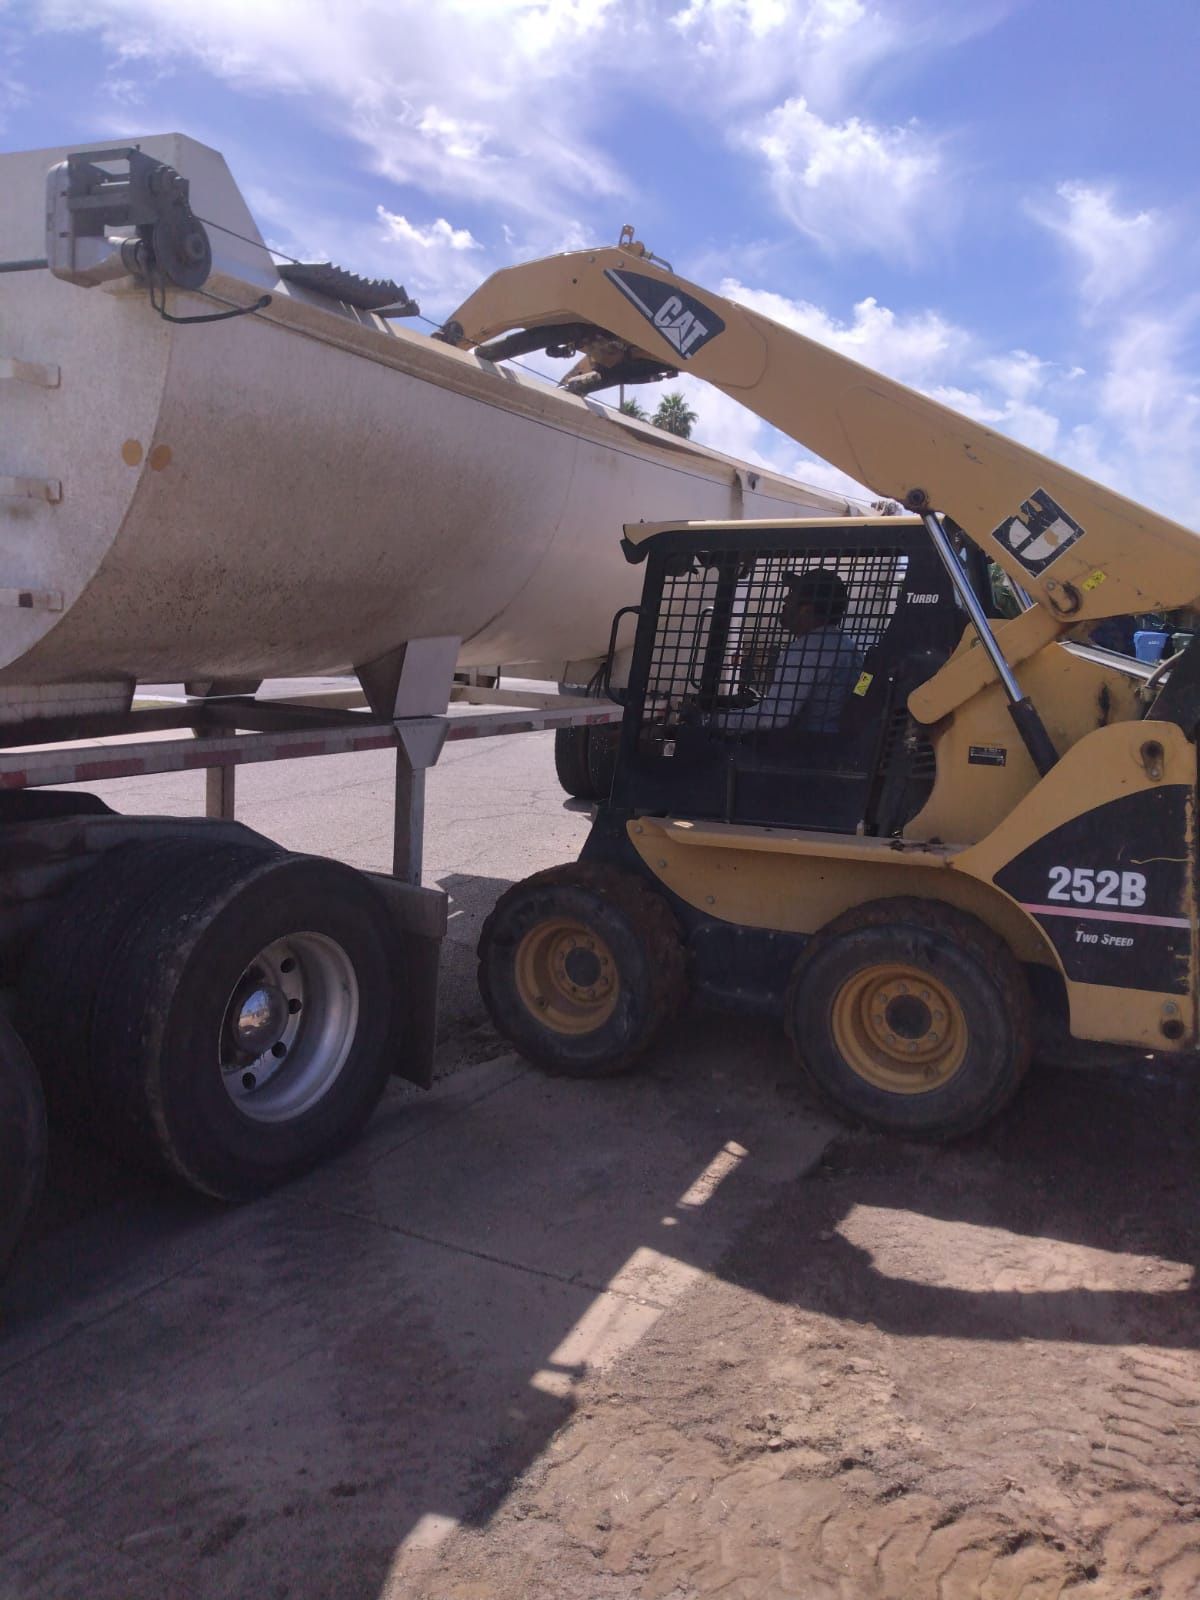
{"points": [[845, 792]]}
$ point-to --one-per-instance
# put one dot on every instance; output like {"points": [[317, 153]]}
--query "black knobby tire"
{"points": [[985, 1049], [636, 929], [161, 1018], [22, 1140], [67, 965], [602, 758], [571, 762]]}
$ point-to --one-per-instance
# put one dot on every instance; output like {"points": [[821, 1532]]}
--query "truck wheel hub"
{"points": [[261, 1019], [289, 1027]]}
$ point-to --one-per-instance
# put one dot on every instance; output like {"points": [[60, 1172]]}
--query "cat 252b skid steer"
{"points": [[845, 793]]}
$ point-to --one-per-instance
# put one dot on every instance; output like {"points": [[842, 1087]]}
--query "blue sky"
{"points": [[996, 202]]}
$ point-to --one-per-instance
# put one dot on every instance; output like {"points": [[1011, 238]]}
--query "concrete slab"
{"points": [[305, 1397], [107, 1235], [597, 1181], [42, 1557], [294, 1398]]}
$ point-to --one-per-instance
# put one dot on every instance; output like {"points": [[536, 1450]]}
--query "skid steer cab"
{"points": [[776, 835]]}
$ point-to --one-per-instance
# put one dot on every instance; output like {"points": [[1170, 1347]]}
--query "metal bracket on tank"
{"points": [[94, 194]]}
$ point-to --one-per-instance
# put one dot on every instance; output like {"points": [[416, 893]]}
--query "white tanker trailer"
{"points": [[301, 489], [219, 469]]}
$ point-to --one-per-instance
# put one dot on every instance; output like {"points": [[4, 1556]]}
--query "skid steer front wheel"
{"points": [[579, 967], [912, 1017]]}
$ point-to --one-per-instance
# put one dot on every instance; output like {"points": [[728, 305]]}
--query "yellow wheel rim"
{"points": [[567, 976], [899, 1029]]}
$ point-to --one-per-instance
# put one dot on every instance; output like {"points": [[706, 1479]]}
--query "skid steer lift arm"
{"points": [[1079, 550]]}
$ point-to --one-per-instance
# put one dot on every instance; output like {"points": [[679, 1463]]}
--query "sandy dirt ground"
{"points": [[964, 1374]]}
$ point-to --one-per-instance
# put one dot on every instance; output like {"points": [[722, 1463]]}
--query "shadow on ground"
{"points": [[297, 1398], [1085, 1166]]}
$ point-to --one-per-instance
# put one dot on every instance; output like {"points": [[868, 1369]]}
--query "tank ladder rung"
{"points": [[49, 489], [43, 374]]}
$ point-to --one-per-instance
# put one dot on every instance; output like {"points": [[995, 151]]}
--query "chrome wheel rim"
{"points": [[288, 1027]]}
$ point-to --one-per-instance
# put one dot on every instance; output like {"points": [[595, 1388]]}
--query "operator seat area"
{"points": [[770, 681]]}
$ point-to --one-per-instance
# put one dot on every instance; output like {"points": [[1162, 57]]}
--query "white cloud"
{"points": [[1150, 400], [437, 262], [489, 100], [849, 185], [1114, 252], [1017, 374], [438, 235], [743, 51], [508, 102]]}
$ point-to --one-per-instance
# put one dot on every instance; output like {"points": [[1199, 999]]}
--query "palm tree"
{"points": [[675, 415], [631, 408]]}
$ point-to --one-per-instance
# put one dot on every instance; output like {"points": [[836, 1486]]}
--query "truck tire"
{"points": [[571, 762], [22, 1140], [579, 967], [245, 1027], [67, 965], [911, 1017]]}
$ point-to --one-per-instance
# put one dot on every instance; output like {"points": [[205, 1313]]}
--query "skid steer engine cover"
{"points": [[1109, 889]]}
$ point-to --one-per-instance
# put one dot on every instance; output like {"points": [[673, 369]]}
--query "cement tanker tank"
{"points": [[299, 489]]}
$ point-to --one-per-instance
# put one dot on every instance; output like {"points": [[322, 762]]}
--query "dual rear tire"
{"points": [[585, 760], [226, 1014]]}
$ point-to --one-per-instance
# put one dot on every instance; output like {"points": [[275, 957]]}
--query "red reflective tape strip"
{"points": [[196, 759], [1105, 916]]}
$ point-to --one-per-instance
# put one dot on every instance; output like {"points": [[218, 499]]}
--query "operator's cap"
{"points": [[822, 587]]}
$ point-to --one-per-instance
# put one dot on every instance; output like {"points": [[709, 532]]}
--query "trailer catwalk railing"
{"points": [[276, 732]]}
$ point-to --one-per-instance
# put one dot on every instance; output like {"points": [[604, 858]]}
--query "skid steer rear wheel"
{"points": [[571, 762], [912, 1017], [579, 967]]}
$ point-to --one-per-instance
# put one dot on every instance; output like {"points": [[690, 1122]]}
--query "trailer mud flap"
{"points": [[421, 918], [1112, 891]]}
